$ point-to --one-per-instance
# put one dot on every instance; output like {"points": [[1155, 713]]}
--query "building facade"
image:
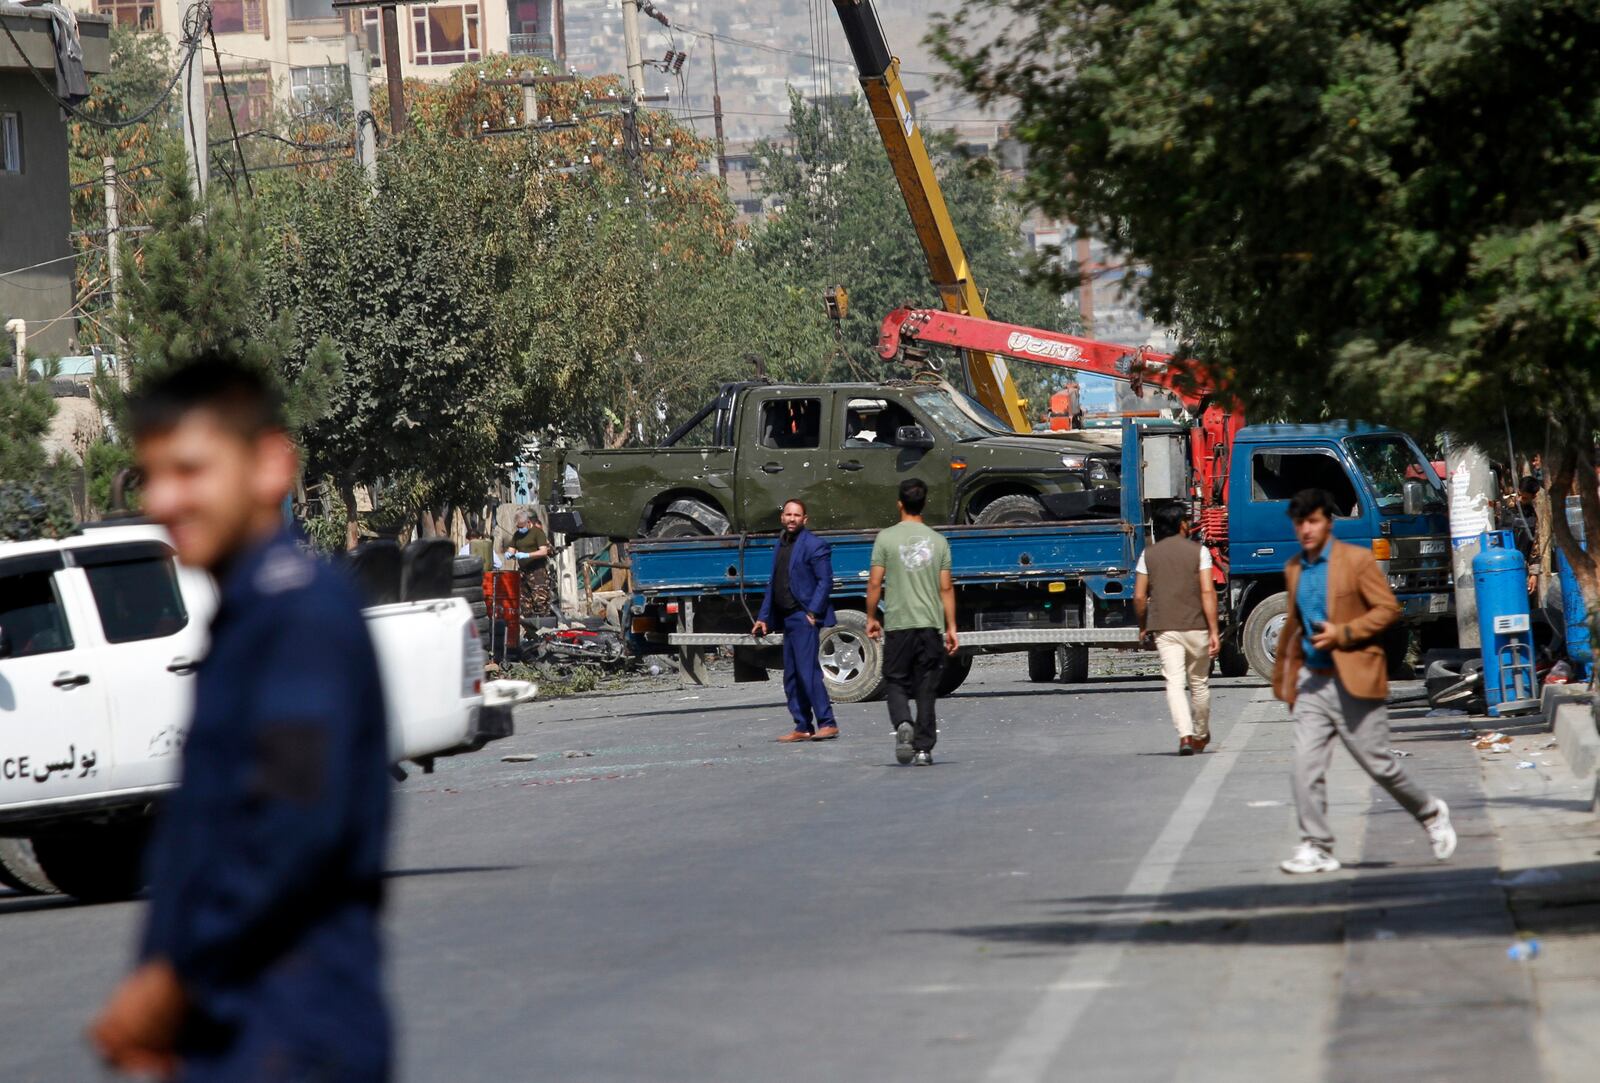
{"points": [[36, 253], [294, 50]]}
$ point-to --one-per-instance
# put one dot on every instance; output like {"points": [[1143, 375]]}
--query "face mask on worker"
{"points": [[521, 530]]}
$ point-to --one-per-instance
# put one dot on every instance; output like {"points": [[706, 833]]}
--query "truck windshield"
{"points": [[1388, 462], [948, 415]]}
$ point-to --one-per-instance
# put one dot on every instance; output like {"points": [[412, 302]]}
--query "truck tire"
{"points": [[1231, 662], [955, 673], [479, 610], [852, 664], [467, 569], [19, 869], [473, 594], [1019, 508], [1042, 664], [677, 526], [95, 862], [1074, 662], [1261, 630]]}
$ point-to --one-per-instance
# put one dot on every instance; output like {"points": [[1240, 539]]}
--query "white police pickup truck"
{"points": [[100, 634]]}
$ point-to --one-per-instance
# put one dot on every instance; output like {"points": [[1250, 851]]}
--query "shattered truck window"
{"points": [[1278, 475]]}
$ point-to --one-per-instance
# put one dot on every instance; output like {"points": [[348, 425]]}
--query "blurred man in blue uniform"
{"points": [[797, 600], [260, 960]]}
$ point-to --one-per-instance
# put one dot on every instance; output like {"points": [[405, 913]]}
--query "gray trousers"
{"points": [[1323, 710]]}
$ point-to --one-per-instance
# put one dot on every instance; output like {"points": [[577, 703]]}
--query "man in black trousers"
{"points": [[919, 621]]}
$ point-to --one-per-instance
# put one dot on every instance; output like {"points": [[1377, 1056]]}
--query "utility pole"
{"points": [[391, 61], [113, 250], [528, 81], [716, 118], [361, 99], [630, 40], [196, 147], [1471, 493]]}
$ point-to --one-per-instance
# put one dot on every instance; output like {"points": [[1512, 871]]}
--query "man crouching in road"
{"points": [[797, 597], [1332, 672], [260, 956]]}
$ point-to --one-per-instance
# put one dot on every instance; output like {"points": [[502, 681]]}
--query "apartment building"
{"points": [[295, 49]]}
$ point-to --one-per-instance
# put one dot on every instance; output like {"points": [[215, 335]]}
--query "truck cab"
{"points": [[1391, 501]]}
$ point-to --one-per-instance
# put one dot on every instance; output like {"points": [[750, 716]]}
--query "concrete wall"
{"points": [[35, 219]]}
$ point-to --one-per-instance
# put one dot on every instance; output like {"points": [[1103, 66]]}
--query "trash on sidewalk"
{"points": [[1560, 673], [1445, 712], [1400, 753], [1523, 951], [1493, 742], [576, 754], [1526, 765], [519, 757], [1530, 878]]}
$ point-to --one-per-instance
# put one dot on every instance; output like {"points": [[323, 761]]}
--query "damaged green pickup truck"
{"points": [[841, 448]]}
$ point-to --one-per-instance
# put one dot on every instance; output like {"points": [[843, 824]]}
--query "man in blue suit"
{"points": [[797, 598]]}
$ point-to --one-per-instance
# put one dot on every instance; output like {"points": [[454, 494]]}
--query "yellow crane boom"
{"points": [[913, 168]]}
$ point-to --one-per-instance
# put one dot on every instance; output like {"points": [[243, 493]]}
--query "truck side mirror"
{"points": [[1414, 496], [913, 436]]}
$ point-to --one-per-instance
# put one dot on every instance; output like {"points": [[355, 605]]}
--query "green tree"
{"points": [[32, 502], [840, 220], [1384, 210]]}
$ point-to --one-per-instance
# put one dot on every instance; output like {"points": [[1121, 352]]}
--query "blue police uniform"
{"points": [[267, 863], [807, 581]]}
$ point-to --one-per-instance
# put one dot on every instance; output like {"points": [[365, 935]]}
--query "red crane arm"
{"points": [[914, 327]]}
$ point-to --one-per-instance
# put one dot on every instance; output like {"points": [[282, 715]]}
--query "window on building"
{"points": [[446, 33], [250, 94], [10, 143], [315, 85], [131, 14], [238, 17], [368, 26], [529, 16], [301, 10]]}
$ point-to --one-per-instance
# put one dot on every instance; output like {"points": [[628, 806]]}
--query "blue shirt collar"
{"points": [[1321, 556]]}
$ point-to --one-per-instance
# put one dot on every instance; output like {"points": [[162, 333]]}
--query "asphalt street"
{"points": [[664, 893]]}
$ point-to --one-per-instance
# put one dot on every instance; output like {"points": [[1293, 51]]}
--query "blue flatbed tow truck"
{"points": [[1056, 589]]}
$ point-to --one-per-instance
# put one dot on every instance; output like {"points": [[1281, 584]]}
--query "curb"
{"points": [[1578, 738]]}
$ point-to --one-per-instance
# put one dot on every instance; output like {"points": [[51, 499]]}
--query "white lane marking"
{"points": [[1029, 1053]]}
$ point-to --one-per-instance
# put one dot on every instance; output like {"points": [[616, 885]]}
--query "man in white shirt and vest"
{"points": [[1174, 597]]}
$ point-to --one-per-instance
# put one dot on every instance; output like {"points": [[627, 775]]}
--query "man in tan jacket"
{"points": [[1332, 671]]}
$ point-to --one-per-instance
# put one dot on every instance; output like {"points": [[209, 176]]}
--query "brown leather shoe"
{"points": [[1200, 743], [794, 737], [1187, 746], [826, 733]]}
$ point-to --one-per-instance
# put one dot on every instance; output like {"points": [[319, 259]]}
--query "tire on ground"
{"points": [[852, 664], [1074, 662], [479, 610], [95, 862], [472, 594], [19, 869], [1018, 508], [466, 569], [677, 526], [955, 673], [1261, 630], [1042, 664]]}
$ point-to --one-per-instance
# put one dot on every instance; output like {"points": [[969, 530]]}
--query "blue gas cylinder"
{"points": [[1500, 578]]}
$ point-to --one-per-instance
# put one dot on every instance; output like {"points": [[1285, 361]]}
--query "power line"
{"points": [[233, 125]]}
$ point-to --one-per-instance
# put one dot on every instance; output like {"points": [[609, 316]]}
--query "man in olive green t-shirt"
{"points": [[919, 621]]}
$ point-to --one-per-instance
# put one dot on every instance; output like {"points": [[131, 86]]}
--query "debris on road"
{"points": [[1523, 951], [1400, 753], [1530, 878], [1493, 742], [519, 757], [1526, 765], [576, 753]]}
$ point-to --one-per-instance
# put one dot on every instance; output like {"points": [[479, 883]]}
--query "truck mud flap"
{"points": [[493, 724], [1100, 503]]}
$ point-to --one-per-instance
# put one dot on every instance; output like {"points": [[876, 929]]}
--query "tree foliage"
{"points": [[1384, 210], [841, 220]]}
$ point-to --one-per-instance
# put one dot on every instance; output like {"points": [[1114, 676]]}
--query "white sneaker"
{"points": [[1440, 831], [1309, 859]]}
